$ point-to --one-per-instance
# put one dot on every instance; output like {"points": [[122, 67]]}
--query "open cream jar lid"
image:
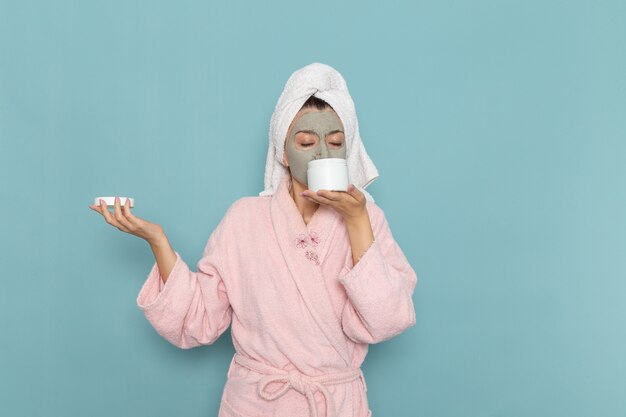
{"points": [[110, 201]]}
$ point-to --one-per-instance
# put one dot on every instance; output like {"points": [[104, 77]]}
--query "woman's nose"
{"points": [[323, 150]]}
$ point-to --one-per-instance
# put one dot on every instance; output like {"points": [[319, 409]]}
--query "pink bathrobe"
{"points": [[302, 314]]}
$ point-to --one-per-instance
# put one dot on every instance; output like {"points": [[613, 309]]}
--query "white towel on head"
{"points": [[326, 83]]}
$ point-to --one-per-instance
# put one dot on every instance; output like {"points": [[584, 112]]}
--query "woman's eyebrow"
{"points": [[335, 131]]}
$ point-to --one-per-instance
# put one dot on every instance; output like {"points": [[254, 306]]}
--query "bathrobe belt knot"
{"points": [[304, 384]]}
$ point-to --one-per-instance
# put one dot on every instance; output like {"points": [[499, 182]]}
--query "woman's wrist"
{"points": [[159, 240], [359, 220]]}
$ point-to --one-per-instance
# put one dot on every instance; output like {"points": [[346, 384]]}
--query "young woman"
{"points": [[305, 280]]}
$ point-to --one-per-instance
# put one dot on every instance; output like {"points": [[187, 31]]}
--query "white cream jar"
{"points": [[327, 174]]}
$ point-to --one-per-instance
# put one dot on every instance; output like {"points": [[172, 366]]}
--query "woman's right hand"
{"points": [[123, 219]]}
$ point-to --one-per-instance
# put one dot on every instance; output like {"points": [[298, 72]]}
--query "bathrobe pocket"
{"points": [[228, 410], [240, 398]]}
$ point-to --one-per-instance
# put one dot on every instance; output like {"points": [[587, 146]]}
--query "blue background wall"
{"points": [[499, 130]]}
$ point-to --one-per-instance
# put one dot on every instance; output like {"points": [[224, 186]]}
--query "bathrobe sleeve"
{"points": [[191, 308], [379, 288]]}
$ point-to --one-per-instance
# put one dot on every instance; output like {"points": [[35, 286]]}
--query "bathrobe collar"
{"points": [[304, 248]]}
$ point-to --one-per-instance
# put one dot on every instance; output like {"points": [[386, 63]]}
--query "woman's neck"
{"points": [[306, 207]]}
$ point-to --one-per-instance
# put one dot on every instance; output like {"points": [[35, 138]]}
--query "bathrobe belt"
{"points": [[302, 383]]}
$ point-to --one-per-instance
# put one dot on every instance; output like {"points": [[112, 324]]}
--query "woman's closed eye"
{"points": [[335, 139], [335, 143], [306, 139]]}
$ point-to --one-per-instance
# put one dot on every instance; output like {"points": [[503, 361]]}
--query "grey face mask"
{"points": [[308, 125]]}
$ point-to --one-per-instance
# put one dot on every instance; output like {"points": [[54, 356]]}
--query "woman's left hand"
{"points": [[350, 204]]}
